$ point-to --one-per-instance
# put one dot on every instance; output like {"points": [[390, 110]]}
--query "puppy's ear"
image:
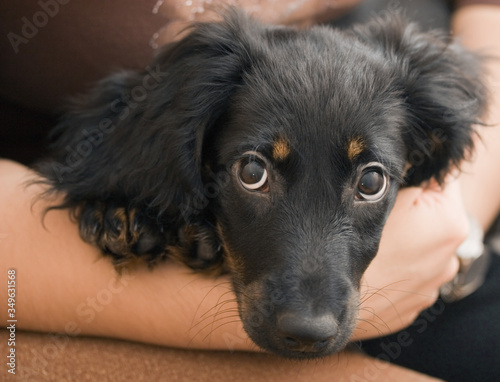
{"points": [[443, 90], [139, 136], [202, 72]]}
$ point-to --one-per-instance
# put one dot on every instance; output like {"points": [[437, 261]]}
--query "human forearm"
{"points": [[64, 284], [478, 27]]}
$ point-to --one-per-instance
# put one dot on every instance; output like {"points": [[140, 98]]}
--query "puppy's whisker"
{"points": [[373, 325], [385, 297], [383, 287], [380, 321], [206, 296], [213, 315], [221, 312], [201, 276], [376, 292], [219, 302], [204, 324], [219, 326], [227, 318], [409, 292]]}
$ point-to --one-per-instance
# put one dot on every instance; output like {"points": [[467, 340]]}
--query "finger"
{"points": [[450, 271]]}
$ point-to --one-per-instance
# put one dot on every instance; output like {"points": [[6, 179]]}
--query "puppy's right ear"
{"points": [[138, 137], [443, 91]]}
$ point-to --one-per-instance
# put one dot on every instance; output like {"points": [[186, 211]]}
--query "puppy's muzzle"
{"points": [[308, 315]]}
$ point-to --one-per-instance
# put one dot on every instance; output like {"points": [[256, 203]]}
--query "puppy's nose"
{"points": [[307, 333]]}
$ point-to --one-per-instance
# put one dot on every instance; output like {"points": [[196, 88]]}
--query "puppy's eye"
{"points": [[371, 185], [253, 175]]}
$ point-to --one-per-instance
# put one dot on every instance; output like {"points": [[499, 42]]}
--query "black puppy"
{"points": [[271, 152]]}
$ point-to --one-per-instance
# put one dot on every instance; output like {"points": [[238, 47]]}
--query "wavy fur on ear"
{"points": [[444, 95], [103, 145]]}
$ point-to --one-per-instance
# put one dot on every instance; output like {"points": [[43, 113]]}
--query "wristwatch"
{"points": [[474, 259]]}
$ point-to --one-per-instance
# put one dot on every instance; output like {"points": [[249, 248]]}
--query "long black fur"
{"points": [[149, 162]]}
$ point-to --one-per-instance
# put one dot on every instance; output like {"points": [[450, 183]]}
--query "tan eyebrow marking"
{"points": [[281, 149], [355, 147]]}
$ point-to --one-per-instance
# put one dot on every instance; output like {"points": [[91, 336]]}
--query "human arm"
{"points": [[67, 286], [478, 27], [64, 285]]}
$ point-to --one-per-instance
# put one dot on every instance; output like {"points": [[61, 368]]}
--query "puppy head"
{"points": [[310, 134], [322, 130], [317, 131]]}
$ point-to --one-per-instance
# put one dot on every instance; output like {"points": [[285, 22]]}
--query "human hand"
{"points": [[416, 257], [180, 14]]}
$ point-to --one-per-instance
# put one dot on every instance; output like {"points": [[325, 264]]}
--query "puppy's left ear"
{"points": [[202, 72], [443, 89]]}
